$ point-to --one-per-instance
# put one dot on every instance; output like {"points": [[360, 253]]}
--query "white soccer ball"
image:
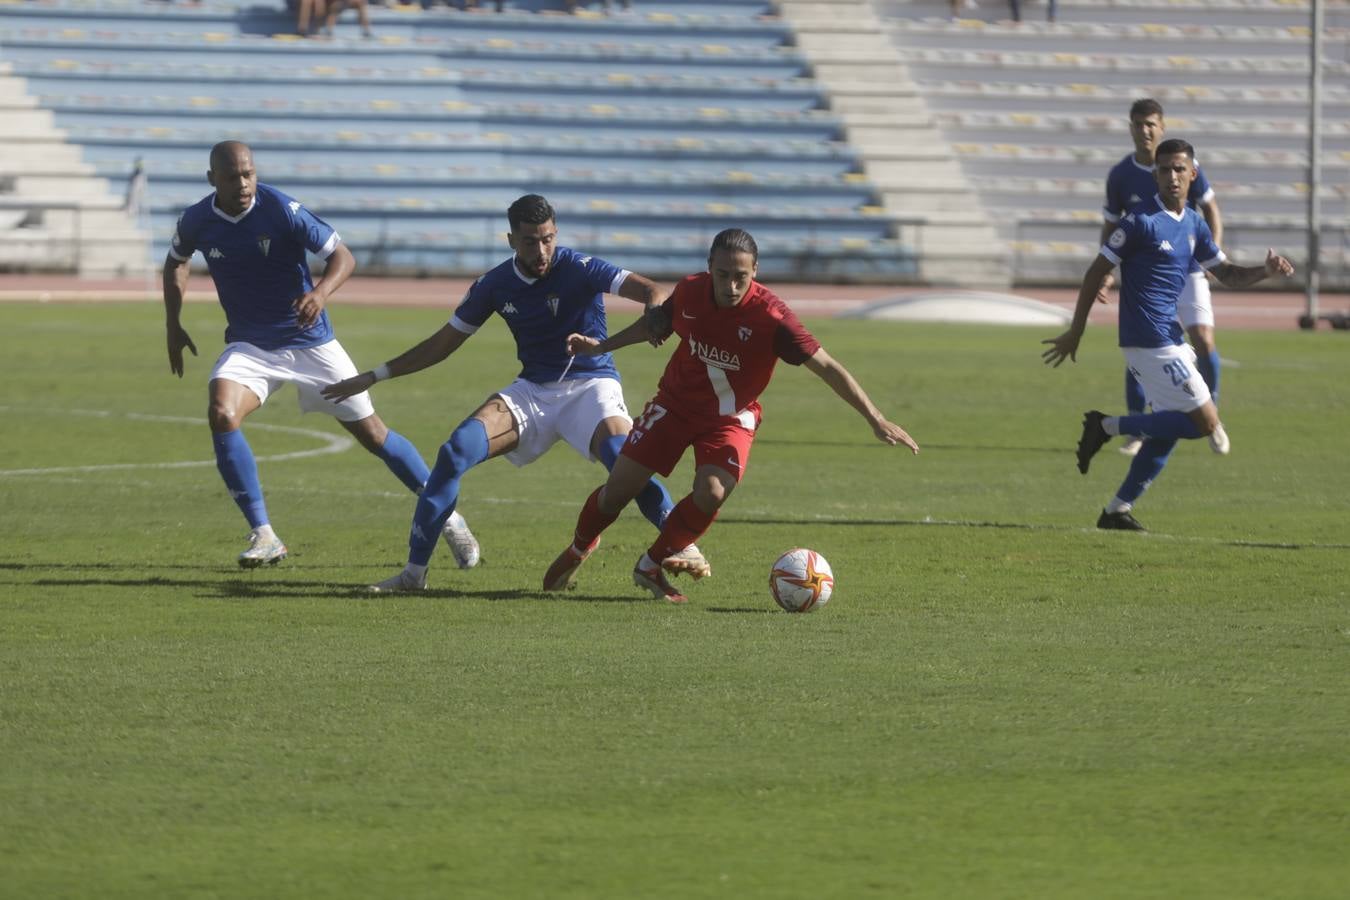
{"points": [[801, 580]]}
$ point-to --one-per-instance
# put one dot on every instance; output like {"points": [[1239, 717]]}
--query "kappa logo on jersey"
{"points": [[552, 301], [215, 254], [508, 309], [744, 332], [585, 260], [1165, 246], [714, 356], [1134, 198], [294, 205], [264, 243]]}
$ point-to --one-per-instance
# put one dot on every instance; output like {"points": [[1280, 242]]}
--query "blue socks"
{"points": [[404, 461], [654, 500], [1168, 425], [1209, 370], [1135, 401], [467, 447], [1146, 466], [234, 460]]}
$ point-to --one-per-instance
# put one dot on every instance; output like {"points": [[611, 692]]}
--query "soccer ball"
{"points": [[801, 580]]}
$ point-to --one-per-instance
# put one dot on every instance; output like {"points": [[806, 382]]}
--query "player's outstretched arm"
{"points": [[644, 329], [1242, 276], [424, 355], [341, 264], [1065, 346], [842, 382], [175, 287]]}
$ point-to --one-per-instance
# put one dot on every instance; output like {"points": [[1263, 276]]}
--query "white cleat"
{"points": [[461, 541], [688, 561], [262, 551], [1131, 445], [1218, 440], [402, 583]]}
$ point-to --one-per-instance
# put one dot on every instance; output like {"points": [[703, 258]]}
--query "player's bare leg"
{"points": [[601, 508]]}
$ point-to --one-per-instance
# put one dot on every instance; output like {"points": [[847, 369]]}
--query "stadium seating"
{"points": [[1038, 112], [650, 130]]}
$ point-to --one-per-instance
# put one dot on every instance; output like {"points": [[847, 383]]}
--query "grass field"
{"points": [[1000, 701]]}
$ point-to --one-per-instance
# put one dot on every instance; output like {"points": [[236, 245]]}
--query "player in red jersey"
{"points": [[732, 332]]}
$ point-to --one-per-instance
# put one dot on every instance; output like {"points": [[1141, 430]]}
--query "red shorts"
{"points": [[660, 436]]}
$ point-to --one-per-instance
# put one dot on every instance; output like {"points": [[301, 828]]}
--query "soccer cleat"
{"points": [[1132, 445], [655, 581], [1120, 521], [559, 575], [262, 551], [402, 583], [463, 545], [688, 561], [1092, 439], [1218, 440]]}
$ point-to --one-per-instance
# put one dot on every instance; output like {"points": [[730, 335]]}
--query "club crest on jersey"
{"points": [[714, 356], [264, 243], [744, 332], [552, 301]]}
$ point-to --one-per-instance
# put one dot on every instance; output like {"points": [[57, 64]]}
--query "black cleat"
{"points": [[1121, 521], [1092, 440]]}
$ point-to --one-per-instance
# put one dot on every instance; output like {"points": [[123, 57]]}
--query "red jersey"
{"points": [[726, 356]]}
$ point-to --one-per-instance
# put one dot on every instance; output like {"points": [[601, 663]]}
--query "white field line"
{"points": [[332, 443]]}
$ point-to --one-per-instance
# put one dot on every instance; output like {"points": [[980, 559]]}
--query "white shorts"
{"points": [[560, 410], [1194, 306], [309, 369], [1168, 377]]}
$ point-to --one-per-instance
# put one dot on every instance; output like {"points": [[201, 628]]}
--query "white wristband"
{"points": [[380, 372]]}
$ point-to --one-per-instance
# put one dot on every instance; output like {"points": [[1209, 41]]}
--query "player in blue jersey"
{"points": [[1155, 244], [1131, 181], [544, 293], [255, 240]]}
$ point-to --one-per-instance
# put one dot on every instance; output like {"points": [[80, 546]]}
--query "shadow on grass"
{"points": [[738, 610], [241, 589], [853, 443], [1029, 526]]}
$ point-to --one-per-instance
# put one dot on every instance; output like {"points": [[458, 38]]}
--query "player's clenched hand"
{"points": [[349, 387], [658, 323], [1061, 348], [583, 345], [893, 434], [308, 308], [1278, 265], [177, 340]]}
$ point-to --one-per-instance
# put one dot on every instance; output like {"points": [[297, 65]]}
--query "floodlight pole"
{"points": [[1309, 319]]}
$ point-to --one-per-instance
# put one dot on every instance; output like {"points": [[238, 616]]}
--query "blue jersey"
{"points": [[1155, 248], [1128, 184], [542, 312], [257, 260]]}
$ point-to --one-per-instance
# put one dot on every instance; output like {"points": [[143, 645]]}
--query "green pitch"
{"points": [[1000, 701]]}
